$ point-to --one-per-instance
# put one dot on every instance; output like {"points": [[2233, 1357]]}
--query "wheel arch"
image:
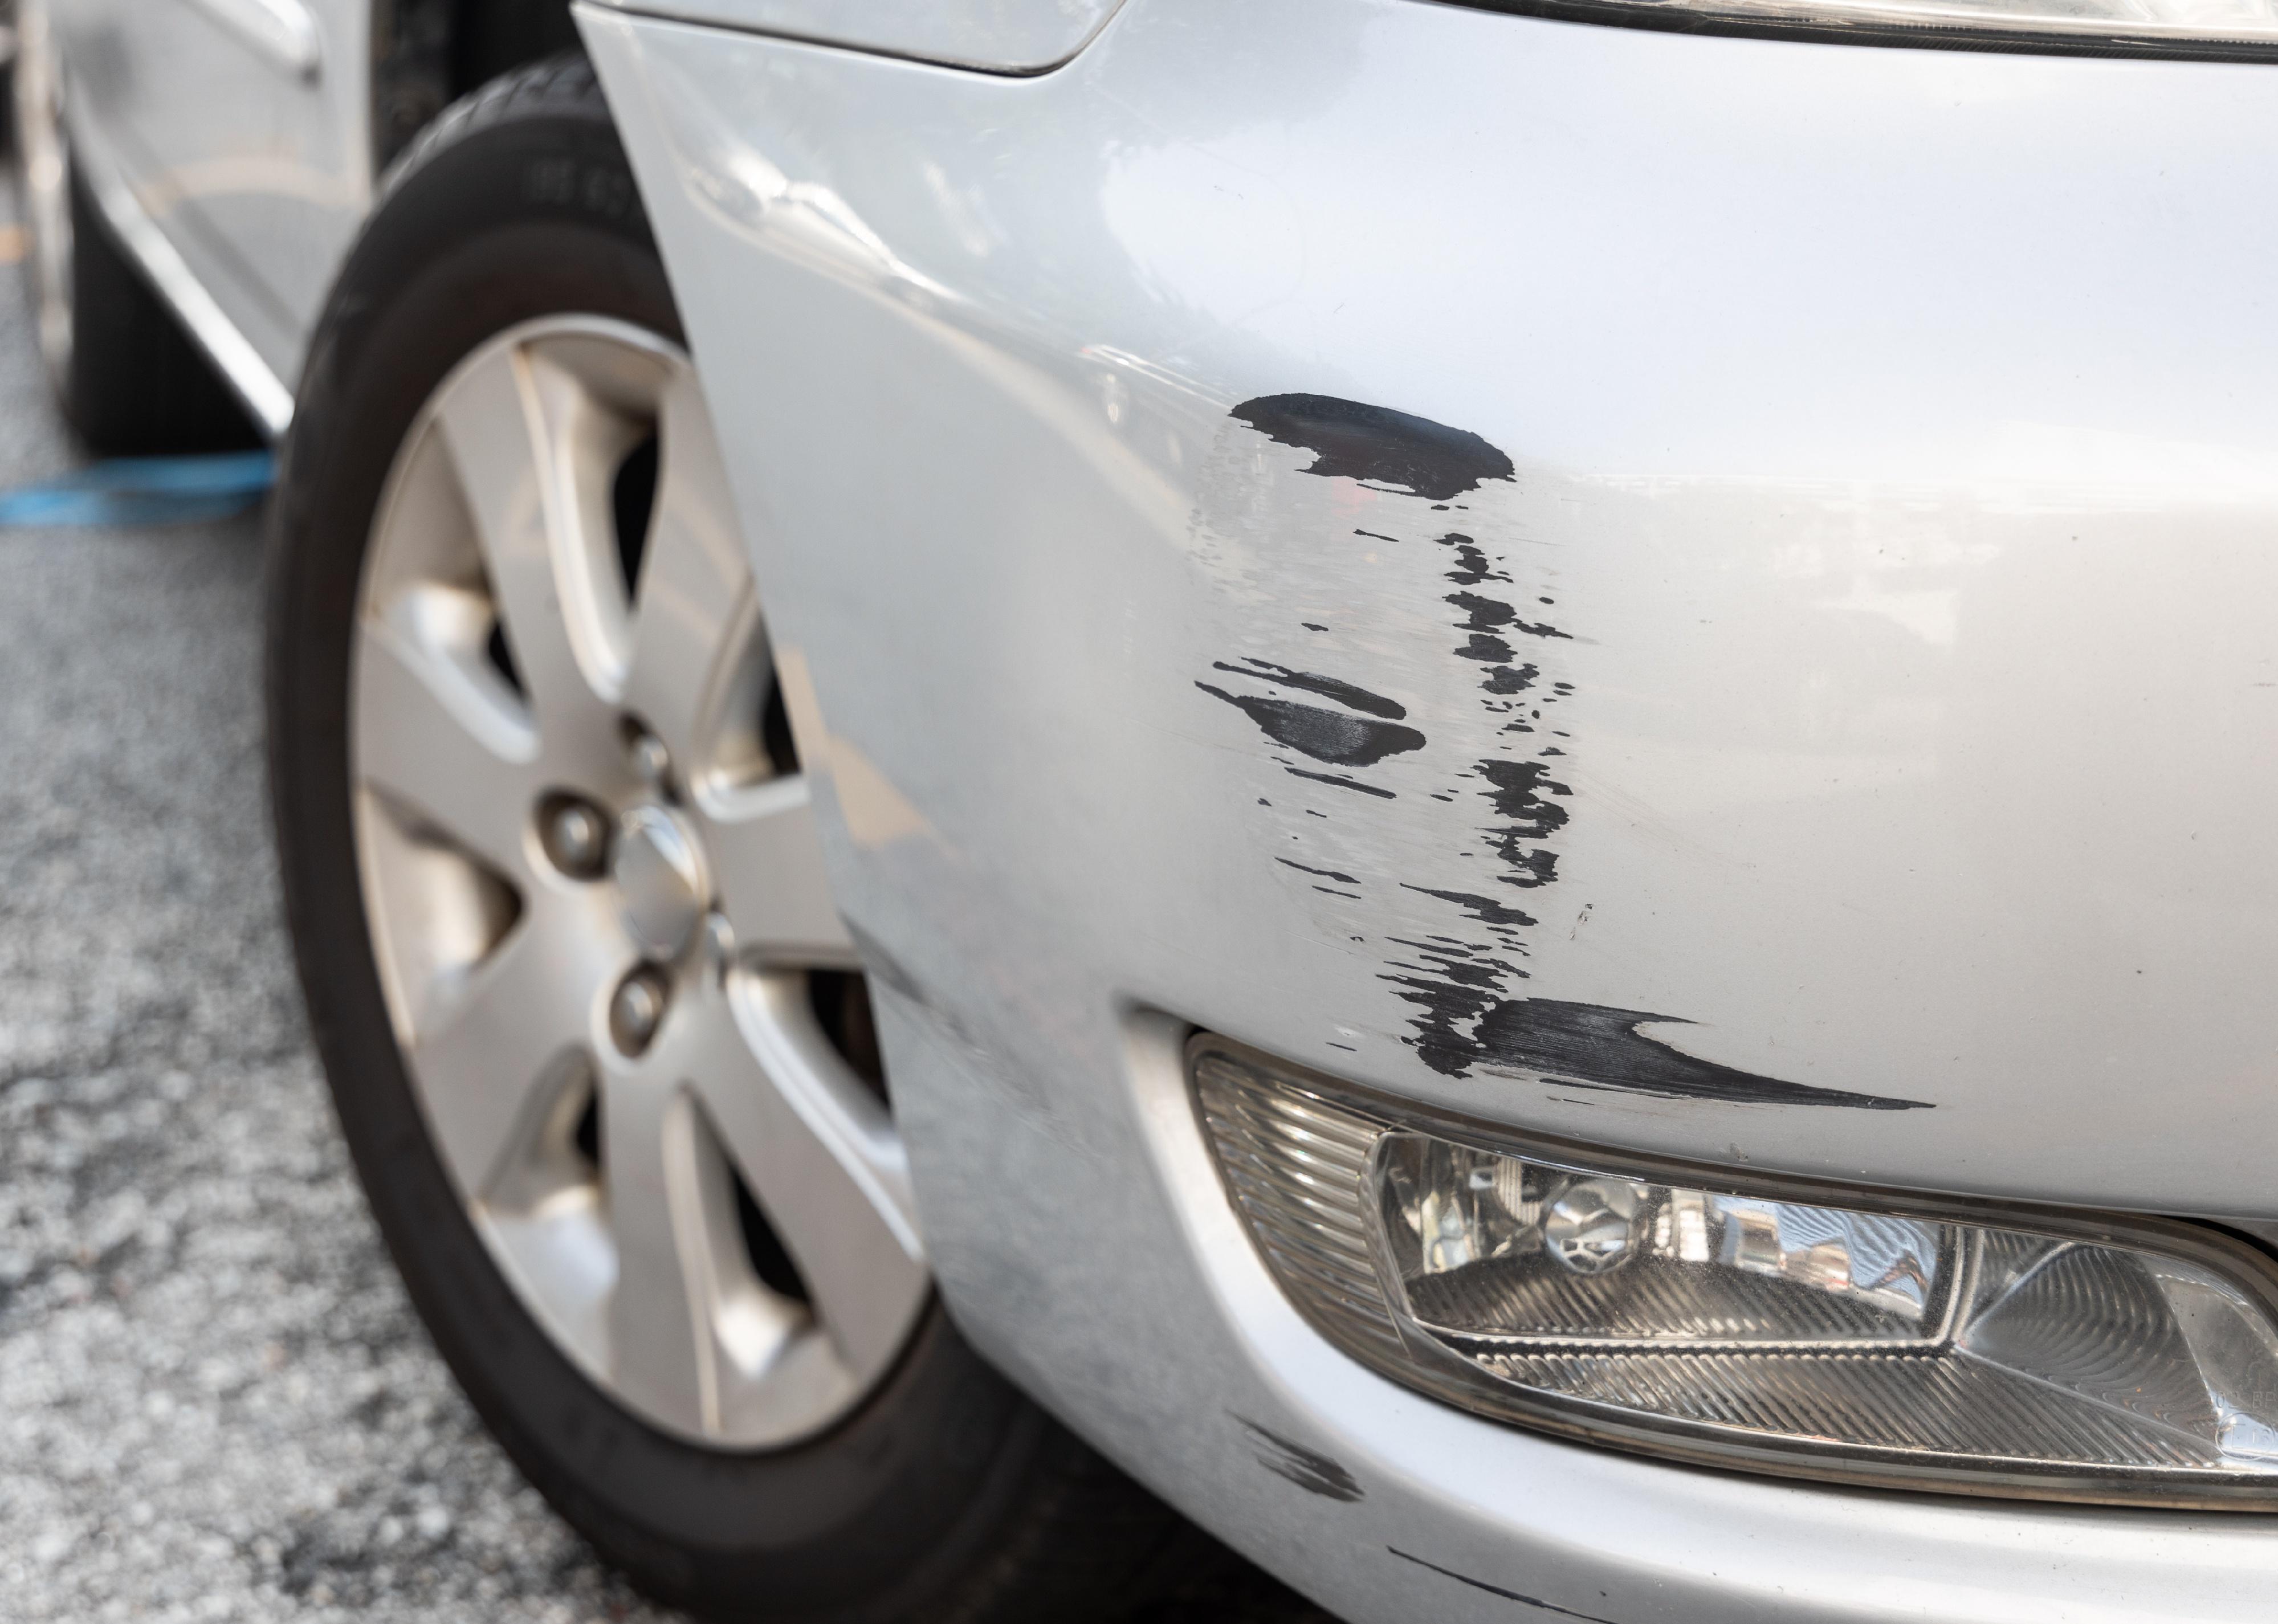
{"points": [[426, 54]]}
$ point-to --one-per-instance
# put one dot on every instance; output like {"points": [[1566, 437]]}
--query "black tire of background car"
{"points": [[136, 384], [948, 1496]]}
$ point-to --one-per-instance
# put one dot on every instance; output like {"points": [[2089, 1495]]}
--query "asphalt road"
{"points": [[215, 1401]]}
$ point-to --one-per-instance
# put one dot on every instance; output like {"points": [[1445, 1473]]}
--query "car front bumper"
{"points": [[1796, 581]]}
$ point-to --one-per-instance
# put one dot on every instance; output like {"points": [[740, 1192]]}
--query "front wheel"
{"points": [[596, 1038]]}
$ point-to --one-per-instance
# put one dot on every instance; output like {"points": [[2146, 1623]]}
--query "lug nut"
{"points": [[575, 835], [719, 944], [650, 758], [637, 1010]]}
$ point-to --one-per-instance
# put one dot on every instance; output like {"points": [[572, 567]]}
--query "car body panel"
{"points": [[247, 366], [998, 36], [1903, 719], [1180, 480], [241, 128]]}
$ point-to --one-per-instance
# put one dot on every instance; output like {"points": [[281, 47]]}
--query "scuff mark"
{"points": [[1502, 762], [1342, 783], [1485, 910], [1326, 874], [1591, 1046], [1496, 1589], [1377, 445], [1451, 985], [1325, 735], [1309, 1470], [1328, 687], [1471, 561], [1519, 788], [1491, 613], [1456, 984]]}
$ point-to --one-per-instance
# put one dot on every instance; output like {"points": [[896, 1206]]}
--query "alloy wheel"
{"points": [[630, 1012]]}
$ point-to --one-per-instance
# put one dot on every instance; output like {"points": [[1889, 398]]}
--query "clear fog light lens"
{"points": [[2034, 1353]]}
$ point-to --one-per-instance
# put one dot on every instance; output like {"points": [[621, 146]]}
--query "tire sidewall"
{"points": [[529, 217]]}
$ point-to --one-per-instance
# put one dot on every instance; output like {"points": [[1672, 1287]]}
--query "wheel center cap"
{"points": [[659, 877]]}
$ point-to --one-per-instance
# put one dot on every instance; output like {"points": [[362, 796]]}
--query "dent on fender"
{"points": [[1484, 636]]}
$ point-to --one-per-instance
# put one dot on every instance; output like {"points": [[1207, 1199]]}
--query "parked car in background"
{"points": [[1487, 784]]}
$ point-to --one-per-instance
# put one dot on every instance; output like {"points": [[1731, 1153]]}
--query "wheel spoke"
{"points": [[431, 737], [519, 478], [488, 1064], [699, 651], [662, 1351], [820, 1156], [767, 861]]}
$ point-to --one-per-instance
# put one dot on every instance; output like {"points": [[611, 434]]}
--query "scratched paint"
{"points": [[1535, 1602], [1579, 1042], [1309, 1469], [1377, 446], [1414, 522], [1325, 735], [1406, 660]]}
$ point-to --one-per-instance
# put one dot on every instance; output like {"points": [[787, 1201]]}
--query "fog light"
{"points": [[1785, 1327]]}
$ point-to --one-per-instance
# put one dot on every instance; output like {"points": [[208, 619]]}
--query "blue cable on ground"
{"points": [[137, 491]]}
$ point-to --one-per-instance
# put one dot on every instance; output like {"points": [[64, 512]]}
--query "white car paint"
{"points": [[1889, 428], [284, 31], [1919, 725], [1891, 432], [241, 130]]}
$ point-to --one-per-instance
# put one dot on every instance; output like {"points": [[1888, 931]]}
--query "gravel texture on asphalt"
{"points": [[215, 1400]]}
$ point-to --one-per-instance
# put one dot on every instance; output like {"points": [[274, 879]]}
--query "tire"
{"points": [[941, 1493], [129, 379]]}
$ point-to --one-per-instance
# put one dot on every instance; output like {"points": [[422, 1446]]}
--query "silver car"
{"points": [[1491, 785]]}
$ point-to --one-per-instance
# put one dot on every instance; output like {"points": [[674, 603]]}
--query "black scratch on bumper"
{"points": [[1462, 987], [1309, 1470], [1591, 1046], [1377, 445], [1325, 735], [1496, 1589]]}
